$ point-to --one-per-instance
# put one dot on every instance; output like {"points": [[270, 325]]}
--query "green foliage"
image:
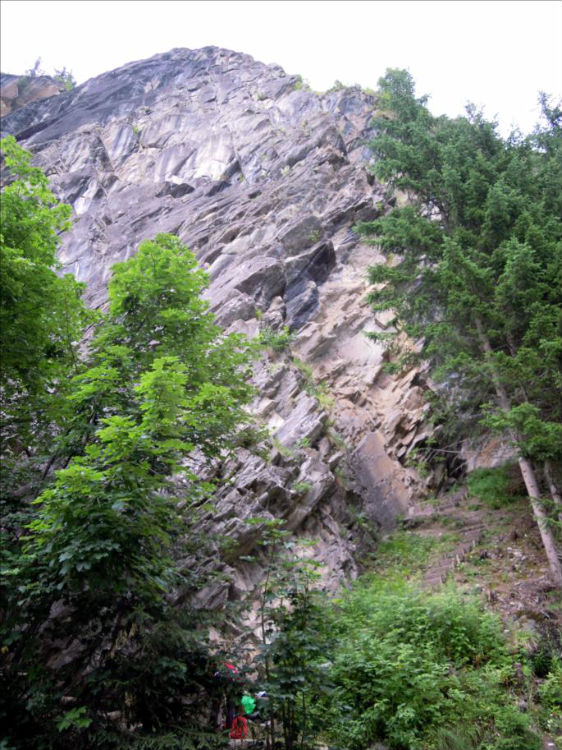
{"points": [[336, 86], [474, 270], [106, 523], [300, 83], [538, 439], [304, 367], [297, 670], [74, 718], [41, 313], [550, 697], [65, 77], [479, 241], [410, 670], [337, 440], [319, 391], [62, 75], [284, 450], [41, 321], [295, 638], [405, 553], [302, 487], [161, 382], [278, 341], [494, 487]]}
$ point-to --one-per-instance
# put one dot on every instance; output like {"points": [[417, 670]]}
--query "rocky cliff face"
{"points": [[264, 181], [19, 91]]}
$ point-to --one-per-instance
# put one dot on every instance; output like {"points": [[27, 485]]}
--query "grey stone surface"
{"points": [[264, 182]]}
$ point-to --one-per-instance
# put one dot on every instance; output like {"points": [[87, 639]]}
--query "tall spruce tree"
{"points": [[474, 270]]}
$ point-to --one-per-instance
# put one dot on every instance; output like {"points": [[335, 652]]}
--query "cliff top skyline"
{"points": [[498, 55]]}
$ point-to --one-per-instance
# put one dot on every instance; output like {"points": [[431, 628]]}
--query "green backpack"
{"points": [[248, 704]]}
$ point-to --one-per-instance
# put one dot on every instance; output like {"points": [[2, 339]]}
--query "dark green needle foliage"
{"points": [[477, 246], [474, 267]]}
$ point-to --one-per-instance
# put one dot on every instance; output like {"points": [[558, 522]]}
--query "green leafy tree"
{"points": [[41, 312], [156, 310], [42, 317], [295, 638], [162, 389], [473, 270], [297, 655]]}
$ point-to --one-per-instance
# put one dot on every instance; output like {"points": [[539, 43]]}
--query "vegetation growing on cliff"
{"points": [[474, 272], [92, 541], [62, 75]]}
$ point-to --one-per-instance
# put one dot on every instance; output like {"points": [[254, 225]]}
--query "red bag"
{"points": [[239, 729]]}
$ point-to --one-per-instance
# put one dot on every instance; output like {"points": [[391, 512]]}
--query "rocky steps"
{"points": [[264, 181]]}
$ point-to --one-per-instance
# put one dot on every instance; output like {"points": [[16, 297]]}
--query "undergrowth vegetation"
{"points": [[497, 487], [418, 670]]}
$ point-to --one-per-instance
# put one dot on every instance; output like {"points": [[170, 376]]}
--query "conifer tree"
{"points": [[474, 269]]}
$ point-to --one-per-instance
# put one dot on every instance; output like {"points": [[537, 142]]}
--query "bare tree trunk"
{"points": [[270, 723], [556, 498], [527, 471], [542, 520]]}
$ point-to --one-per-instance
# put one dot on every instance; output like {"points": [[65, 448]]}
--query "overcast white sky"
{"points": [[496, 53]]}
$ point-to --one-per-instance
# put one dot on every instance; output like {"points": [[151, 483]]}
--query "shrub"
{"points": [[550, 697], [494, 487], [412, 669], [276, 340], [302, 487]]}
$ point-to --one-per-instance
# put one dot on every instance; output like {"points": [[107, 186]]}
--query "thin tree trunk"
{"points": [[527, 471], [556, 498], [270, 733], [542, 520], [304, 722]]}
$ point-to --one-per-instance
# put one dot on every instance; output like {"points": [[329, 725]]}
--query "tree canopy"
{"points": [[161, 383], [474, 270], [41, 312], [160, 390]]}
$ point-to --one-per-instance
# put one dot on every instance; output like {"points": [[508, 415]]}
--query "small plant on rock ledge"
{"points": [[284, 450], [279, 341], [302, 487], [300, 83]]}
